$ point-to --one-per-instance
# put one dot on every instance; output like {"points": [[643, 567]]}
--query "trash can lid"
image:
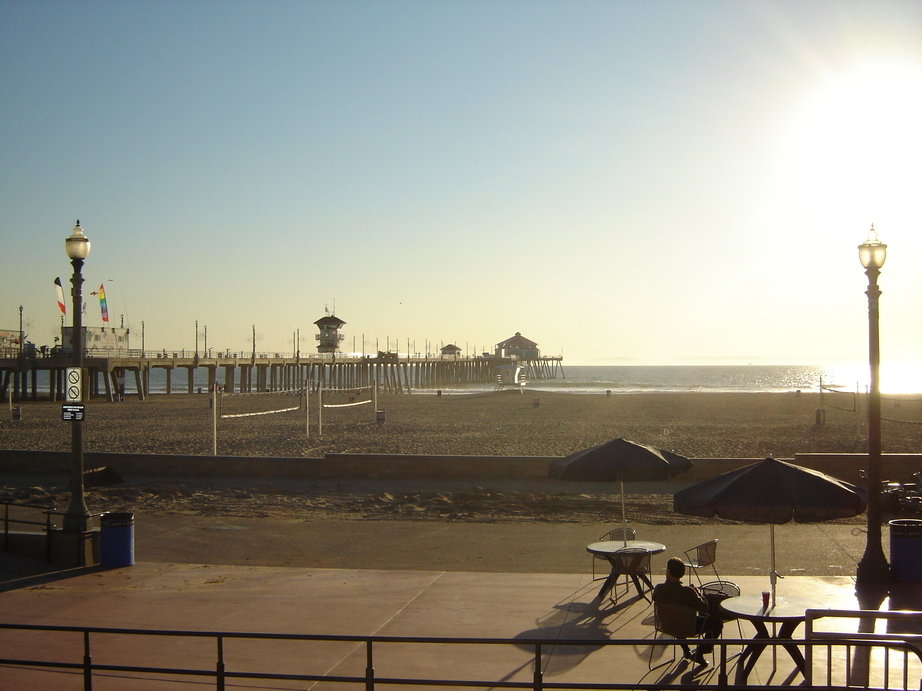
{"points": [[112, 516]]}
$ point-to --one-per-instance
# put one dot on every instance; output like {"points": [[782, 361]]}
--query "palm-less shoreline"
{"points": [[698, 425]]}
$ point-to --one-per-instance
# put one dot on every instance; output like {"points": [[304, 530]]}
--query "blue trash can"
{"points": [[906, 550], [116, 539]]}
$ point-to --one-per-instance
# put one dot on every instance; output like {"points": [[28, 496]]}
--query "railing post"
{"points": [[369, 668], [722, 675], [219, 672], [538, 683], [87, 663], [48, 536]]}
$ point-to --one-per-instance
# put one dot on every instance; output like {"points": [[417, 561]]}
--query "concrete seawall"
{"points": [[843, 466]]}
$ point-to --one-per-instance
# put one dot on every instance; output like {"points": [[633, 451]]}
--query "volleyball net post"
{"points": [[214, 419], [354, 391], [307, 409]]}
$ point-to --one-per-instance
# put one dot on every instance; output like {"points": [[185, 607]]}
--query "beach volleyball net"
{"points": [[899, 409], [838, 398], [234, 406], [334, 400]]}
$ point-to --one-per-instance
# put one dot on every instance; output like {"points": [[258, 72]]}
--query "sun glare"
{"points": [[895, 377], [857, 141]]}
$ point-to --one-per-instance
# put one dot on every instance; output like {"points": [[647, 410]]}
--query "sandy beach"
{"points": [[698, 425]]}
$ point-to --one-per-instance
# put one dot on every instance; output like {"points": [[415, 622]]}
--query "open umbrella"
{"points": [[621, 460], [771, 491]]}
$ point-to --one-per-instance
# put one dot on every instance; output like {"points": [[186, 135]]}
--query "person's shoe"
{"points": [[700, 658]]}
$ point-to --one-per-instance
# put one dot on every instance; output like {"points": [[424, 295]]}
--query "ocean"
{"points": [[587, 379], [621, 379]]}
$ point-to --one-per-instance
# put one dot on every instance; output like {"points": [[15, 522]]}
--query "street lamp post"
{"points": [[78, 247], [873, 567]]}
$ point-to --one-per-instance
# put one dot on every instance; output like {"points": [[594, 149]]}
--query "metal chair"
{"points": [[634, 564], [678, 621], [701, 556], [717, 591], [616, 534]]}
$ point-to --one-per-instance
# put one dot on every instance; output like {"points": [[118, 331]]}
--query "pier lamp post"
{"points": [[78, 247], [873, 567]]}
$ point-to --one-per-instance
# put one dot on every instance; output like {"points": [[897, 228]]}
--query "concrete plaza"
{"points": [[384, 579]]}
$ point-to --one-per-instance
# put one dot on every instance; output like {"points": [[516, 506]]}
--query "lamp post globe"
{"points": [[77, 247], [873, 567]]}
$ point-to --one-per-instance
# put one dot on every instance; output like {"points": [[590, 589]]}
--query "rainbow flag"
{"points": [[103, 305]]}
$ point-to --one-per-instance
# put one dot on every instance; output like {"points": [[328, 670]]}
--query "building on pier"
{"points": [[451, 350], [105, 340], [329, 338], [518, 347]]}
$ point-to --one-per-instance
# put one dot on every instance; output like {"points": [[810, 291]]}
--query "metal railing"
{"points": [[857, 647], [46, 524], [220, 672]]}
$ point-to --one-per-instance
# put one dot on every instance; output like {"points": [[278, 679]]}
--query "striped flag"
{"points": [[103, 305], [60, 291]]}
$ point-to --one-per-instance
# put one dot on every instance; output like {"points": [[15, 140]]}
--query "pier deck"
{"points": [[106, 374]]}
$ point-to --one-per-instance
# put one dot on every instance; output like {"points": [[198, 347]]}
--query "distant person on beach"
{"points": [[672, 591]]}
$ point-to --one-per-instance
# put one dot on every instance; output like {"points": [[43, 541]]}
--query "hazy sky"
{"points": [[622, 182]]}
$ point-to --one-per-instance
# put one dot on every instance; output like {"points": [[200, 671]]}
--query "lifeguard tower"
{"points": [[329, 338]]}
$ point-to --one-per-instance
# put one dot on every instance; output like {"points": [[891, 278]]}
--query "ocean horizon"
{"points": [[625, 379], [622, 379]]}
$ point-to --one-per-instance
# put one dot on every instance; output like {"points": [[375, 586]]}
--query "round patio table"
{"points": [[608, 548], [787, 610]]}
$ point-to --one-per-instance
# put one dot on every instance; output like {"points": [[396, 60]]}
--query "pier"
{"points": [[106, 374]]}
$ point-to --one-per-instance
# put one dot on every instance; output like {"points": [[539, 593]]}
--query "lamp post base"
{"points": [[873, 569], [73, 549]]}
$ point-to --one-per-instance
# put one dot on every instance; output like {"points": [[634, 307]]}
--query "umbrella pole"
{"points": [[623, 514], [773, 574]]}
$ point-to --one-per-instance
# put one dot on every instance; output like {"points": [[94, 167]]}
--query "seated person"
{"points": [[673, 592]]}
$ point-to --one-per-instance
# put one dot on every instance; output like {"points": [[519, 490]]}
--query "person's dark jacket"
{"points": [[675, 593]]}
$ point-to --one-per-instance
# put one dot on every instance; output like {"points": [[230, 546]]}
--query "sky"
{"points": [[622, 182]]}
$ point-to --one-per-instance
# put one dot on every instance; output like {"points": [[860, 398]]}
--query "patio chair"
{"points": [[634, 564], [678, 621], [717, 591], [701, 556], [616, 534]]}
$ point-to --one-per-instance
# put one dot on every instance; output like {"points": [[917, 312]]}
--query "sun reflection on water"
{"points": [[895, 377]]}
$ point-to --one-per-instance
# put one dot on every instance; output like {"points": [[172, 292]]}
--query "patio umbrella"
{"points": [[621, 460], [771, 491]]}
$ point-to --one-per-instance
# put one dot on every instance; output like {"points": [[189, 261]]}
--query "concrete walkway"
{"points": [[387, 578], [353, 602], [822, 549]]}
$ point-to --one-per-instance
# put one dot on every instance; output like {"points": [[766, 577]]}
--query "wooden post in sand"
{"points": [[320, 410], [214, 420], [306, 393]]}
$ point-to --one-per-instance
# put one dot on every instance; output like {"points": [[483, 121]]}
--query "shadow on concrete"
{"points": [[905, 596], [18, 571], [574, 619]]}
